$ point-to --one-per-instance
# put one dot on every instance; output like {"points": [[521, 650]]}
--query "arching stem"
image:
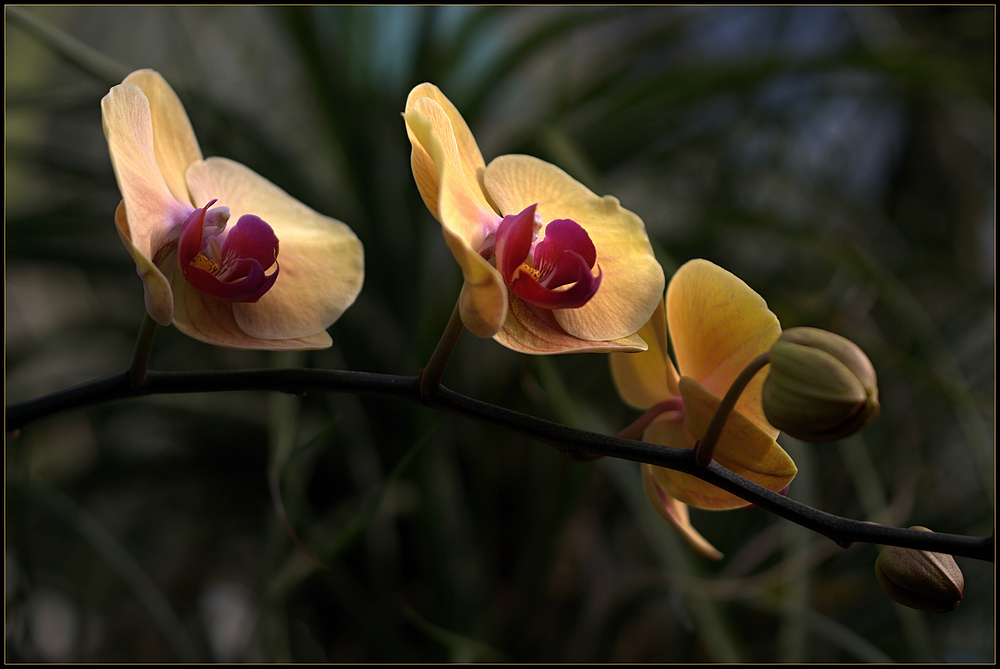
{"points": [[706, 446], [137, 371], [636, 428], [430, 376]]}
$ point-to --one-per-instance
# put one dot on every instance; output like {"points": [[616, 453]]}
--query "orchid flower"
{"points": [[549, 266], [718, 325], [223, 284]]}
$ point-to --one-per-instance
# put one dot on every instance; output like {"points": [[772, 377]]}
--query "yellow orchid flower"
{"points": [[225, 286], [718, 325], [549, 266]]}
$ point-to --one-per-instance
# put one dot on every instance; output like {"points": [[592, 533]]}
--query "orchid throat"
{"points": [[236, 270], [552, 273]]}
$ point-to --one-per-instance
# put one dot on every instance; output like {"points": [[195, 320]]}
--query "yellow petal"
{"points": [[426, 172], [151, 209], [321, 260], [530, 329], [648, 377], [482, 303], [460, 204], [156, 286], [743, 448], [669, 429], [632, 280], [718, 325], [427, 102], [211, 321], [676, 513], [465, 224], [174, 142], [467, 212]]}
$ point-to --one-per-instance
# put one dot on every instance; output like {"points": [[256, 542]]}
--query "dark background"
{"points": [[839, 160]]}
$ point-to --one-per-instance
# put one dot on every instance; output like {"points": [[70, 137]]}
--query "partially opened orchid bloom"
{"points": [[718, 325], [549, 266], [223, 284]]}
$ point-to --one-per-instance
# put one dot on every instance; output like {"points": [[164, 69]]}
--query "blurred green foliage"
{"points": [[839, 160]]}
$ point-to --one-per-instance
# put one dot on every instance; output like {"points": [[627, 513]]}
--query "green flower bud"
{"points": [[821, 386], [920, 579]]}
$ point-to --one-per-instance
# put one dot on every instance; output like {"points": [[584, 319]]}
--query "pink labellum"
{"points": [[564, 235], [565, 257], [533, 291], [236, 271], [513, 241]]}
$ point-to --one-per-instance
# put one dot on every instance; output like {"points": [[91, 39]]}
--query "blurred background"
{"points": [[839, 160]]}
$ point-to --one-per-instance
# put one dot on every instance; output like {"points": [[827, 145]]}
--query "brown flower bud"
{"points": [[920, 579], [821, 386]]}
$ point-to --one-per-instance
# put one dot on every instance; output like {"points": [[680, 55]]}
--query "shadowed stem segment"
{"points": [[139, 369], [430, 376], [636, 428], [564, 438]]}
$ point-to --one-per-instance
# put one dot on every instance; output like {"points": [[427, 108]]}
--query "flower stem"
{"points": [[299, 381], [137, 371], [703, 451], [430, 376], [636, 428]]}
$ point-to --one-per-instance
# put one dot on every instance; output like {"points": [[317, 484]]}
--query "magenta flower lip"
{"points": [[565, 257], [236, 272]]}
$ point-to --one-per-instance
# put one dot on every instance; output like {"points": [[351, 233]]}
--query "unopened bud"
{"points": [[820, 387], [920, 579]]}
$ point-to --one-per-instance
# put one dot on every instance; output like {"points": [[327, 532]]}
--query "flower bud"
{"points": [[920, 579], [821, 386]]}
